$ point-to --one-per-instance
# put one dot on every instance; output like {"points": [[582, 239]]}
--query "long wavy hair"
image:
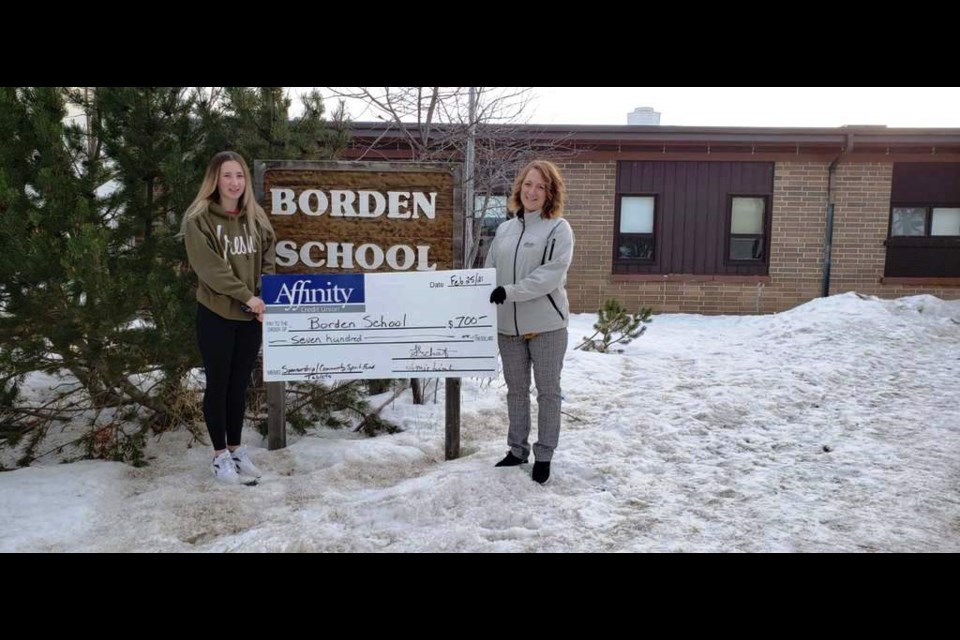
{"points": [[209, 192], [556, 189]]}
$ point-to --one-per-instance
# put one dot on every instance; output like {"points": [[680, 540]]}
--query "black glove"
{"points": [[498, 295]]}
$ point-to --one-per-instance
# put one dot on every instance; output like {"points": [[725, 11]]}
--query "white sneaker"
{"points": [[244, 464], [225, 470]]}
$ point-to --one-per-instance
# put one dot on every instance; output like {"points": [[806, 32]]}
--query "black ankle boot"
{"points": [[510, 461], [541, 472]]}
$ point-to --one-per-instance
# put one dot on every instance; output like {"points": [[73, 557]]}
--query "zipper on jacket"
{"points": [[545, 257], [550, 298], [516, 252]]}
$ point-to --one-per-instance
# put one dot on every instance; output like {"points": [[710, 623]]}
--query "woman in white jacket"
{"points": [[531, 253]]}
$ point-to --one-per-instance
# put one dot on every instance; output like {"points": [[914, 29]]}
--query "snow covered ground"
{"points": [[834, 426]]}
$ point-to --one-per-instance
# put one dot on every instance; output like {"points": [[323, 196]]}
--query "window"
{"points": [[747, 239], [491, 209], [924, 221], [488, 211], [945, 221], [636, 239]]}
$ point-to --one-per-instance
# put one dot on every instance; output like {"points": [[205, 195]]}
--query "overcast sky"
{"points": [[747, 106]]}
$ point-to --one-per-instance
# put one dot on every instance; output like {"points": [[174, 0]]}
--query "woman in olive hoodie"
{"points": [[230, 243], [531, 253]]}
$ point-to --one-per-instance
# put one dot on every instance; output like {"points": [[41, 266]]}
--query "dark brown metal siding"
{"points": [[923, 258], [927, 183], [692, 212]]}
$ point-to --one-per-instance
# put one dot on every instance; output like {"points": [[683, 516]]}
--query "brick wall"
{"points": [[860, 226], [591, 187], [797, 233]]}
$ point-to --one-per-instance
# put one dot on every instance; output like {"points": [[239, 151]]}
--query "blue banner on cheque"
{"points": [[423, 324], [313, 293]]}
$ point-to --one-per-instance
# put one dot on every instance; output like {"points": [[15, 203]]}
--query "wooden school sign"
{"points": [[363, 216]]}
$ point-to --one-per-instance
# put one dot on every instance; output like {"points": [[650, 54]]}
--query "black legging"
{"points": [[229, 349]]}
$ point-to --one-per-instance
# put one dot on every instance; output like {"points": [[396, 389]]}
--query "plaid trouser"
{"points": [[545, 352]]}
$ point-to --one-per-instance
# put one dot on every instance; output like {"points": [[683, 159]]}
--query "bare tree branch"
{"points": [[434, 124]]}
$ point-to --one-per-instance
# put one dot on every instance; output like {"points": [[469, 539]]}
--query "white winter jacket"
{"points": [[531, 255]]}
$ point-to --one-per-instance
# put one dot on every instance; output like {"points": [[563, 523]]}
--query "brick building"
{"points": [[748, 220]]}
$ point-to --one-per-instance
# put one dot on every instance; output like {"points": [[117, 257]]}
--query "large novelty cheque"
{"points": [[422, 324]]}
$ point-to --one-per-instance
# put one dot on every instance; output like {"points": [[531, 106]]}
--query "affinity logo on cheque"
{"points": [[341, 292]]}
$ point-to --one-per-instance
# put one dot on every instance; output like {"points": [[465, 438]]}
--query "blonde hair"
{"points": [[556, 189], [209, 192]]}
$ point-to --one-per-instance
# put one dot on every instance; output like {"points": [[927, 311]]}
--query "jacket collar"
{"points": [[529, 216]]}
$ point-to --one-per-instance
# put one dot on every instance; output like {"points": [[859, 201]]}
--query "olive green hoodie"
{"points": [[228, 258]]}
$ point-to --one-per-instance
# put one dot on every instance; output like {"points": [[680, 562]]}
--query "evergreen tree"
{"points": [[615, 325], [155, 146], [60, 311], [93, 280], [255, 122]]}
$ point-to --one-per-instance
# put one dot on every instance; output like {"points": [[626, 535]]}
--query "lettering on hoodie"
{"points": [[238, 245]]}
